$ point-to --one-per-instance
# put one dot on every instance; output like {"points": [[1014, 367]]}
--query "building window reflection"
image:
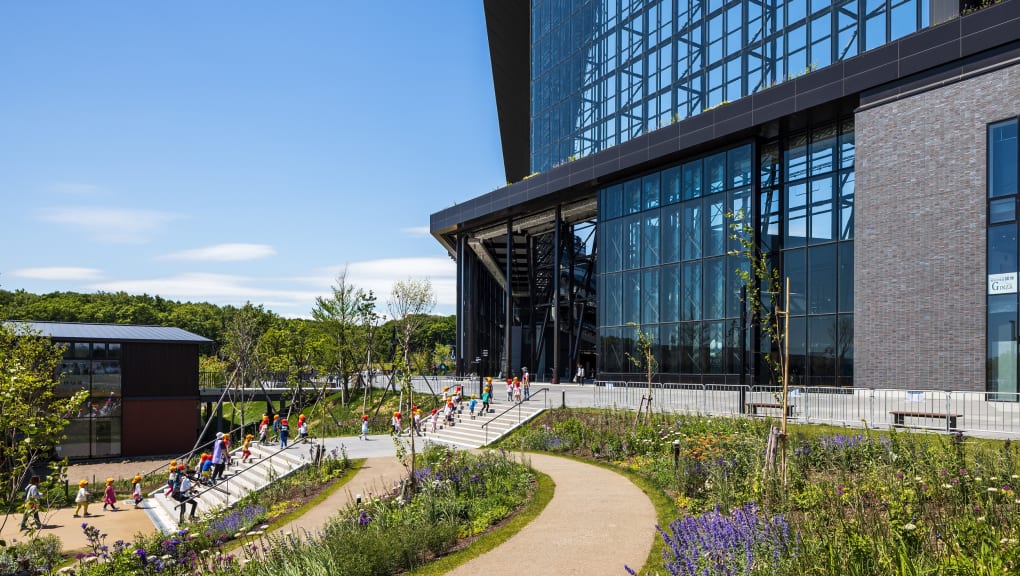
{"points": [[95, 367]]}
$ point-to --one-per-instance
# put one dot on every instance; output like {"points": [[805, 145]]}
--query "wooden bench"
{"points": [[753, 407], [900, 415]]}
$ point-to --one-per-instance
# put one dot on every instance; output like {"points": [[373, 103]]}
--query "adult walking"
{"points": [[32, 497], [219, 459], [184, 493], [526, 383]]}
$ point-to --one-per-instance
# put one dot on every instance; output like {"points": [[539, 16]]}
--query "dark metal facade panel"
{"points": [[113, 332], [508, 24], [154, 370], [146, 426]]}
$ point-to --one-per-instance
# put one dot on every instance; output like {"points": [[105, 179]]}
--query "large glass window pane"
{"points": [[714, 298], [822, 220], [612, 240], [798, 351], [738, 268], [734, 350], [846, 205], [1002, 345], [670, 244], [692, 180], [715, 225], [650, 191], [822, 350], [669, 294], [1002, 249], [712, 348], [632, 196], [1002, 159], [650, 239], [846, 145], [671, 185], [82, 350], [692, 229], [740, 208], [650, 296], [612, 293], [715, 173], [691, 291], [795, 268], [796, 158], [106, 437], [823, 150], [632, 242], [768, 232], [845, 339], [612, 202], [669, 344], [739, 166], [846, 277], [631, 297], [690, 348], [822, 279], [76, 442], [1002, 210], [796, 215]]}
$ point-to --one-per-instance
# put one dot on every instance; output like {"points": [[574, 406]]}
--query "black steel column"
{"points": [[461, 241], [556, 297], [508, 330], [571, 254], [753, 344]]}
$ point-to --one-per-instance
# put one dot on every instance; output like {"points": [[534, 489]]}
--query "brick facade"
{"points": [[920, 234]]}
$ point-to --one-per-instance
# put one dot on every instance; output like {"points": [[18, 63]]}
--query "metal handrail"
{"points": [[531, 396], [242, 471], [189, 454]]}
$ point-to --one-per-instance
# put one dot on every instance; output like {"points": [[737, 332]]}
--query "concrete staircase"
{"points": [[266, 464], [470, 433]]}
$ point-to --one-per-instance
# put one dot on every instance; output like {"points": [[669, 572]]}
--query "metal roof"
{"points": [[119, 332]]}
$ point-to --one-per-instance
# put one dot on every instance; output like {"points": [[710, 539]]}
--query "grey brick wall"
{"points": [[919, 248]]}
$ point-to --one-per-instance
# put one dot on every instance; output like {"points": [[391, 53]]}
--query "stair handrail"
{"points": [[242, 471], [531, 396], [187, 455]]}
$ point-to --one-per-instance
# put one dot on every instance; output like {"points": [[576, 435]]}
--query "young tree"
{"points": [[410, 303], [645, 359], [244, 331], [345, 316], [34, 415]]}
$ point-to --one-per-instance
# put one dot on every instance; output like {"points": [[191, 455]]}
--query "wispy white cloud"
{"points": [[379, 276], [114, 225], [58, 273], [416, 231], [215, 288], [225, 253], [78, 189]]}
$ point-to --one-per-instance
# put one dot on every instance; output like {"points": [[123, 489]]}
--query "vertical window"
{"points": [[692, 229], [1002, 159], [1002, 321], [650, 239], [670, 245]]}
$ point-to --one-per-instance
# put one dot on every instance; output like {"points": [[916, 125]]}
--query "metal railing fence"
{"points": [[970, 411]]}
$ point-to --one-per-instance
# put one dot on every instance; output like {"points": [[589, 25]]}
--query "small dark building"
{"points": [[142, 383]]}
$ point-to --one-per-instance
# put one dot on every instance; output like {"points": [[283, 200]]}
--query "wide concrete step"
{"points": [[484, 428], [239, 480]]}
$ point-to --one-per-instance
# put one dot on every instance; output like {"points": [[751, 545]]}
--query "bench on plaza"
{"points": [[753, 407], [900, 415]]}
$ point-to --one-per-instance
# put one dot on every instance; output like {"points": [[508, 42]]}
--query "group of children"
{"points": [[281, 429], [81, 500]]}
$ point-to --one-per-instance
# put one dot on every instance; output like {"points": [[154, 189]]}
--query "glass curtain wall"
{"points": [[1003, 164], [605, 71], [666, 267], [806, 225], [671, 268], [95, 428]]}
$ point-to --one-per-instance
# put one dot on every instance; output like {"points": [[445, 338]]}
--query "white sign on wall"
{"points": [[1002, 283]]}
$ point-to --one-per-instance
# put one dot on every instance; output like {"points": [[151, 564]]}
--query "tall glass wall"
{"points": [[605, 71], [807, 225], [1003, 164], [95, 428], [669, 264]]}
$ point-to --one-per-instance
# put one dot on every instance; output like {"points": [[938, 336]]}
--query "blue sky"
{"points": [[239, 151]]}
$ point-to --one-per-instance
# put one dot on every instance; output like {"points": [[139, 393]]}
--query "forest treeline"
{"points": [[286, 343]]}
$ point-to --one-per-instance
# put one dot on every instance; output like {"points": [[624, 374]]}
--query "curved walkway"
{"points": [[596, 522]]}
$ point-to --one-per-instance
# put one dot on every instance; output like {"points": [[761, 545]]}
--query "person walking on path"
{"points": [[526, 383], [32, 497], [183, 493], [219, 460], [435, 419], [509, 389], [486, 398], [264, 430], [170, 479], [396, 423], [579, 377], [471, 406], [284, 432], [110, 496], [302, 428], [276, 426], [136, 495], [517, 390], [364, 427], [81, 501], [246, 449]]}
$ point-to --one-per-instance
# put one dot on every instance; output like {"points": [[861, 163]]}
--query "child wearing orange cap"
{"points": [[284, 432], [81, 501], [110, 497], [435, 419], [136, 494], [264, 430], [302, 427], [170, 480], [396, 423], [246, 448]]}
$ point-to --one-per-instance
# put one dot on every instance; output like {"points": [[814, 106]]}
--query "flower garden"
{"points": [[855, 503]]}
